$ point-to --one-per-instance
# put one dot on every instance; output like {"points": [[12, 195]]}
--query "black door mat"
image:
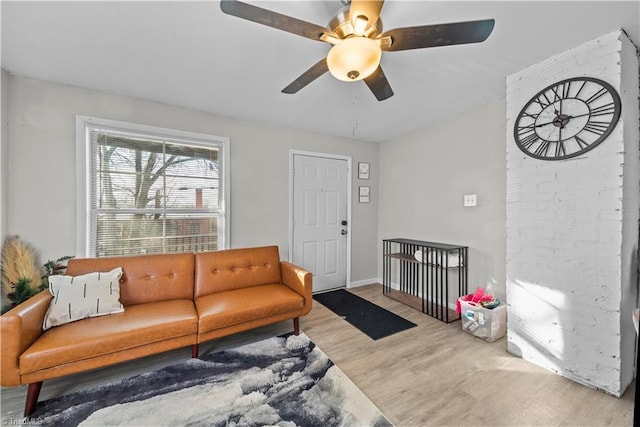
{"points": [[371, 319]]}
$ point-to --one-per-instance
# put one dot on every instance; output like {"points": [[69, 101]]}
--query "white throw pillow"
{"points": [[79, 297]]}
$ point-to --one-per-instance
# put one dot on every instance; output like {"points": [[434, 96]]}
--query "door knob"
{"points": [[343, 232]]}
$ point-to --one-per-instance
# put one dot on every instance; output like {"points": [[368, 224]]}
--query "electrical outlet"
{"points": [[470, 200]]}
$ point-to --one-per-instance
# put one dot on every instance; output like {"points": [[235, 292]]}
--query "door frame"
{"points": [[292, 154]]}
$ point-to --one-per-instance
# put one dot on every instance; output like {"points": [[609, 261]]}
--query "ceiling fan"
{"points": [[358, 40]]}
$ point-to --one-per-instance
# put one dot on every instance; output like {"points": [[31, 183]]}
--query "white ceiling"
{"points": [[191, 54]]}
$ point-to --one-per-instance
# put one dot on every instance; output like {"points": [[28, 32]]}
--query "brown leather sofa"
{"points": [[170, 300]]}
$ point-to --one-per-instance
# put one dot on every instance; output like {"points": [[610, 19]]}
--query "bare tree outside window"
{"points": [[154, 195]]}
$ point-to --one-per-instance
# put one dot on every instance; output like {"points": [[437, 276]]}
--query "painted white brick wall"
{"points": [[570, 235], [630, 94]]}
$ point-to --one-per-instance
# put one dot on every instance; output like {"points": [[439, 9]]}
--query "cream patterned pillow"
{"points": [[79, 297]]}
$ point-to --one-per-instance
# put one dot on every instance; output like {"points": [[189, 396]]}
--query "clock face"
{"points": [[567, 119]]}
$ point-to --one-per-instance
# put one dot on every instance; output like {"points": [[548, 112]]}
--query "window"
{"points": [[149, 190]]}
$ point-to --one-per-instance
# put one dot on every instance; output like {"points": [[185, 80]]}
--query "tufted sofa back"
{"points": [[145, 278], [236, 268]]}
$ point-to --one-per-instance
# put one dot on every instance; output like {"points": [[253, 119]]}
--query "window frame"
{"points": [[84, 180]]}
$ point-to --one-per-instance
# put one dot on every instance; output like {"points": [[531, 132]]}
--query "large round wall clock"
{"points": [[567, 119]]}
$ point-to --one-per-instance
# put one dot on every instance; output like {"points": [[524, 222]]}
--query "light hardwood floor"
{"points": [[431, 375]]}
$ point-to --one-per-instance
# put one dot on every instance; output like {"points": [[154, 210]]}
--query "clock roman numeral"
{"points": [[541, 103], [529, 140], [526, 129], [542, 149], [598, 128], [561, 92], [581, 143], [603, 110], [596, 95], [560, 150], [566, 87], [580, 89], [526, 132]]}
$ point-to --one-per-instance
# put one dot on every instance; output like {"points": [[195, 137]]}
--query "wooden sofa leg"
{"points": [[194, 350], [296, 326], [32, 398]]}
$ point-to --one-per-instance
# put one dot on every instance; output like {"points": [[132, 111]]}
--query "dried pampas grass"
{"points": [[19, 262]]}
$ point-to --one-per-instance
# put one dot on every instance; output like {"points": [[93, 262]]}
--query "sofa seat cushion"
{"points": [[228, 308], [138, 325]]}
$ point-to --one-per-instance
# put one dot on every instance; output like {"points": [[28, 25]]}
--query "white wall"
{"points": [[4, 158], [41, 174], [4, 162], [423, 177], [570, 281]]}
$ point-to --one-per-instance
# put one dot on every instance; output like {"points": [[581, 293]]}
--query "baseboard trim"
{"points": [[365, 282]]}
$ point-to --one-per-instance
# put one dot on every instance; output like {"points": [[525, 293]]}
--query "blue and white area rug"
{"points": [[284, 381]]}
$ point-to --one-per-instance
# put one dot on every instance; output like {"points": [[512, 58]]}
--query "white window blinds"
{"points": [[149, 192]]}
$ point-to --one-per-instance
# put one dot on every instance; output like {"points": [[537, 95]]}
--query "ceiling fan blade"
{"points": [[273, 19], [438, 35], [369, 8], [307, 77], [379, 84]]}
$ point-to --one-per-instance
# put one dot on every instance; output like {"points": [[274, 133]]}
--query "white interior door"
{"points": [[319, 218]]}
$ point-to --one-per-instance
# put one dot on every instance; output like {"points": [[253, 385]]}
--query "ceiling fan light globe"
{"points": [[354, 58]]}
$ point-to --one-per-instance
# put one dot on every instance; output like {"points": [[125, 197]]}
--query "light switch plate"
{"points": [[470, 200]]}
